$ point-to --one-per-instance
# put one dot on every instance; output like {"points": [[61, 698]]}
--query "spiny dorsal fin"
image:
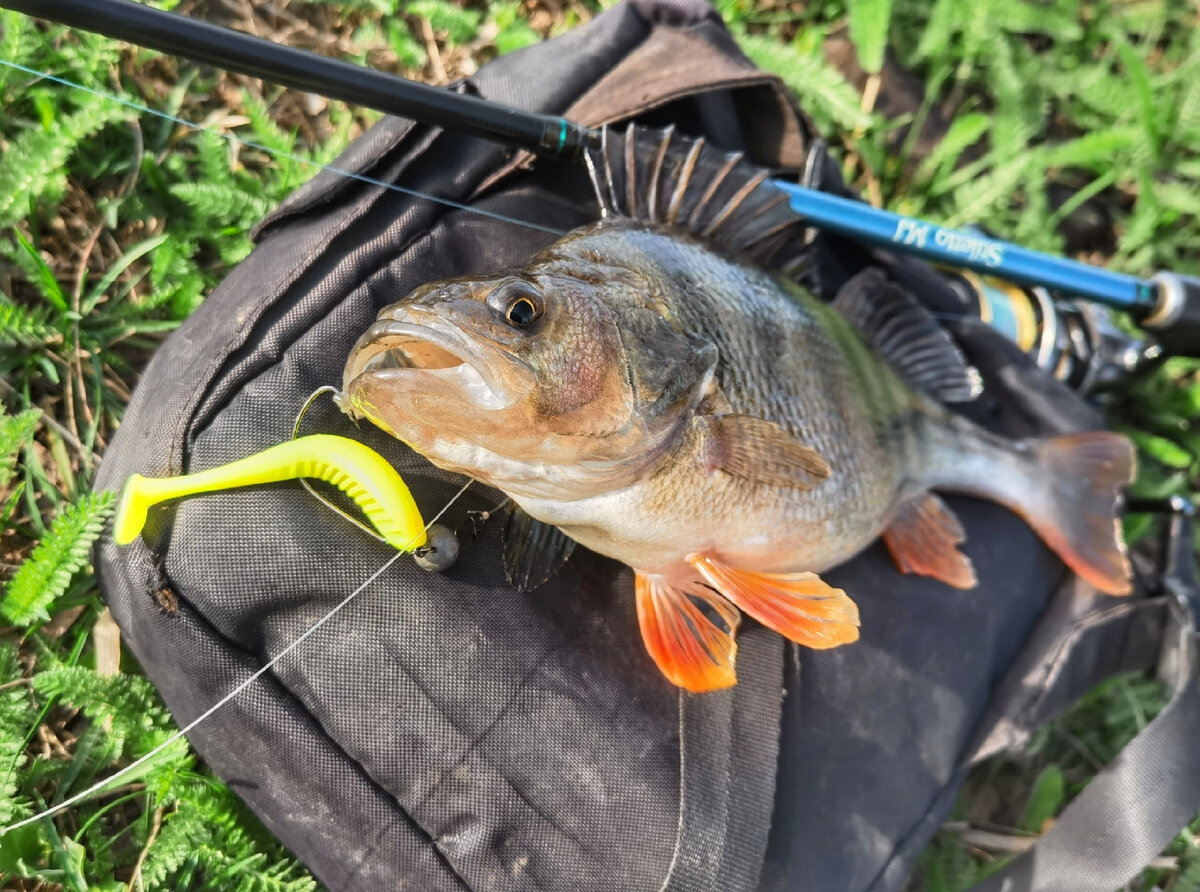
{"points": [[657, 176], [907, 336]]}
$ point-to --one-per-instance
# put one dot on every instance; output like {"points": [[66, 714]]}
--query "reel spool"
{"points": [[1076, 342]]}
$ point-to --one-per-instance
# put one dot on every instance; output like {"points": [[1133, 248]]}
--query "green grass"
{"points": [[1036, 118]]}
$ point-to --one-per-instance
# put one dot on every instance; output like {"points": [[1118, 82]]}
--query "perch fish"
{"points": [[656, 386]]}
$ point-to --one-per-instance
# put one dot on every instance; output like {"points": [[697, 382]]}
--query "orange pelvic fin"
{"points": [[799, 606], [691, 650], [923, 538], [1084, 473]]}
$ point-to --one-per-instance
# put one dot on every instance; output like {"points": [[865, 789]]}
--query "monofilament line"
{"points": [[133, 766], [298, 159]]}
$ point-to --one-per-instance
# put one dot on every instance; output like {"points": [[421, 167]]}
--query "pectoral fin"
{"points": [[923, 538], [761, 452], [799, 606], [691, 650], [533, 551]]}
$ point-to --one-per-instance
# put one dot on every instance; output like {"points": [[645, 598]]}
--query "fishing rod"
{"points": [[1168, 304]]}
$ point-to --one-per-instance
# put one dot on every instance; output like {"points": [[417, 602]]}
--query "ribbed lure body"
{"points": [[358, 471]]}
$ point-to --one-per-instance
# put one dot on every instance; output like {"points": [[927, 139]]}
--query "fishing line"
{"points": [[133, 766], [339, 171], [277, 153], [363, 178]]}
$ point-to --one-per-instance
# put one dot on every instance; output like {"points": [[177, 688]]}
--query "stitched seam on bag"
{"points": [[335, 189], [213, 369], [249, 330], [379, 837], [682, 781], [276, 310], [475, 740], [1060, 659]]}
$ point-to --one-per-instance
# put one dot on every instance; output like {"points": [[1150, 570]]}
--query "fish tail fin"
{"points": [[1083, 474]]}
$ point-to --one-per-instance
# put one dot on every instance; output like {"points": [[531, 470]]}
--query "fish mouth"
{"points": [[433, 358]]}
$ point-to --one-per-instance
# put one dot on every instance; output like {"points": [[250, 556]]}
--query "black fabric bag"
{"points": [[445, 732]]}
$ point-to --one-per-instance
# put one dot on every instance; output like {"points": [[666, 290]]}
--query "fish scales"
{"points": [[662, 394], [788, 358]]}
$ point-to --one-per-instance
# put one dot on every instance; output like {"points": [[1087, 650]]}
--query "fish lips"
{"points": [[423, 361]]}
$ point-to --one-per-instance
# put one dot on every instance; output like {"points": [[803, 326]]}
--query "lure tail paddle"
{"points": [[361, 473]]}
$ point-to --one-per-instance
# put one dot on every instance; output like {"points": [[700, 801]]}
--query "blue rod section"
{"points": [[971, 250], [212, 45]]}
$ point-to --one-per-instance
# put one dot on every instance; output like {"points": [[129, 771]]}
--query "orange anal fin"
{"points": [[923, 538], [799, 606], [691, 650]]}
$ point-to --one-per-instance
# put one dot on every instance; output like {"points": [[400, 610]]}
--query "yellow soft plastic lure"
{"points": [[361, 473]]}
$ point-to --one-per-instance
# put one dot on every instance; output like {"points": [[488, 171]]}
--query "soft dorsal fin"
{"points": [[907, 336], [657, 176]]}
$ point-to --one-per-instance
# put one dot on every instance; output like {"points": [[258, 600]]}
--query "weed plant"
{"points": [[1070, 126]]}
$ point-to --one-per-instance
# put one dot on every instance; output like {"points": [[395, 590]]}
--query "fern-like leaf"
{"points": [[868, 20], [24, 327], [15, 432], [16, 715], [15, 44], [217, 832], [128, 722], [221, 202], [33, 168], [100, 696], [57, 558], [1095, 150], [459, 24], [821, 89]]}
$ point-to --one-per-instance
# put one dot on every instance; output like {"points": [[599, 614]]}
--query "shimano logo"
{"points": [[975, 248]]}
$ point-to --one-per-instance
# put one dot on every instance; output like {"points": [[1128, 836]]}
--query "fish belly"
{"points": [[656, 525]]}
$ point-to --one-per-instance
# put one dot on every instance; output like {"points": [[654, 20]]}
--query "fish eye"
{"points": [[522, 312], [519, 301]]}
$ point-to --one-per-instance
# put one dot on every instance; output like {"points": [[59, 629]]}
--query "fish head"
{"points": [[542, 382]]}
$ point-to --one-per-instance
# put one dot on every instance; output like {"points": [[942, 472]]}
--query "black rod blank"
{"points": [[1170, 305], [224, 48]]}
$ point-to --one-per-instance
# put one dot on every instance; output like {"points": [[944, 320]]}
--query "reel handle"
{"points": [[1175, 319]]}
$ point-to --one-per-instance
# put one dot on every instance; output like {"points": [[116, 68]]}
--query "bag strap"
{"points": [[1137, 804]]}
